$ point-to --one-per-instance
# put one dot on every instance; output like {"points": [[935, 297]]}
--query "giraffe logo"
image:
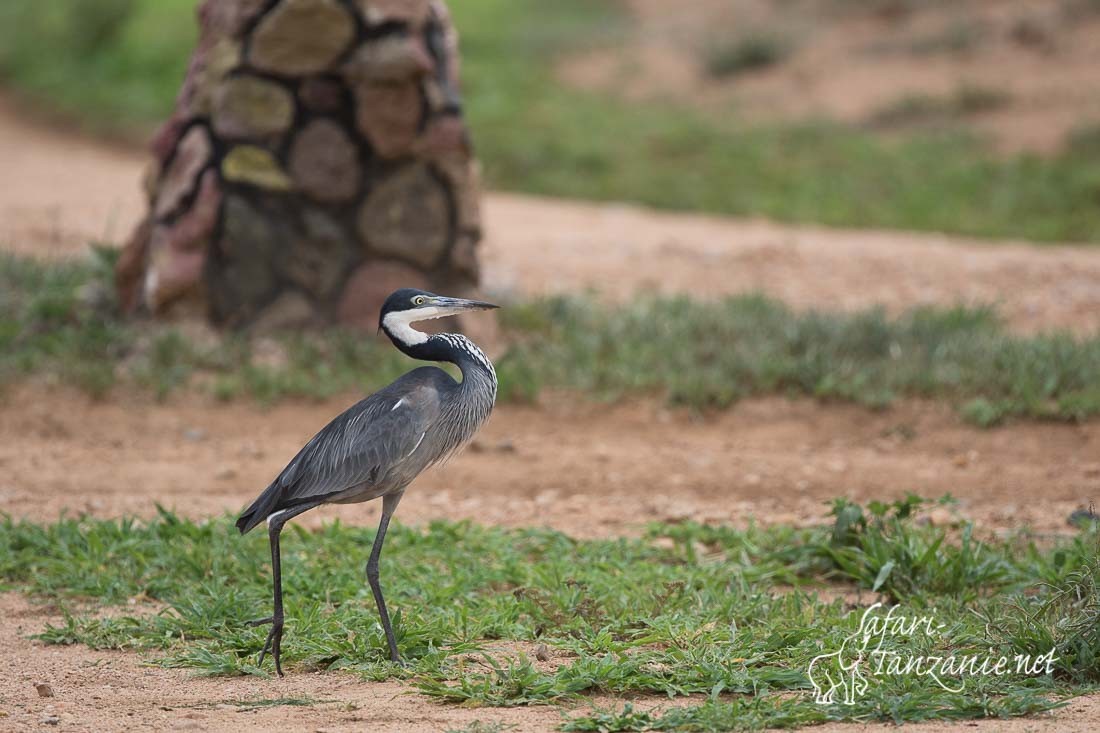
{"points": [[840, 671], [841, 676]]}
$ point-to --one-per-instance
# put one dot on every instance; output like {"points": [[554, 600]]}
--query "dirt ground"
{"points": [[586, 469], [1032, 60]]}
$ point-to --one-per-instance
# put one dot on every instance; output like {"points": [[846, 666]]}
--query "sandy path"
{"points": [[59, 192], [586, 469]]}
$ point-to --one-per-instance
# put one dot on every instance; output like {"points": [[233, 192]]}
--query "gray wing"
{"points": [[361, 447]]}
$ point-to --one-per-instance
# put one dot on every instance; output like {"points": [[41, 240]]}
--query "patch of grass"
{"points": [[480, 726], [966, 101], [959, 36], [751, 52], [1084, 141], [608, 721], [58, 323], [275, 702], [712, 353], [695, 614], [1076, 10], [759, 713], [113, 65], [536, 135], [700, 354]]}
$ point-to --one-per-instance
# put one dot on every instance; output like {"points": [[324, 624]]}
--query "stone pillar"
{"points": [[315, 161]]}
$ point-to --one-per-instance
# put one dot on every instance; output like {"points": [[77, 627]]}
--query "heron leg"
{"points": [[389, 504], [275, 636]]}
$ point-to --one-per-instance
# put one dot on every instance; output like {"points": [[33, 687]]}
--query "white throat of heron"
{"points": [[399, 323]]}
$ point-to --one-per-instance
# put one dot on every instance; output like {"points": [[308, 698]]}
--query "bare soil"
{"points": [[851, 61], [587, 469]]}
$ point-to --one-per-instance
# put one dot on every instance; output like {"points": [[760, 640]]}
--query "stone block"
{"points": [[209, 67], [408, 216], [192, 230], [243, 274], [170, 275], [390, 59], [319, 255], [179, 180], [369, 286], [255, 166], [464, 178], [324, 162], [289, 311], [299, 37], [248, 107], [413, 13], [388, 115]]}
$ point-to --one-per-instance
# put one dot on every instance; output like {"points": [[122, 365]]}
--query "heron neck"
{"points": [[456, 349], [477, 370]]}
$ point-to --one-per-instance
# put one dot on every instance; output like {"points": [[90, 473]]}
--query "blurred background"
{"points": [[765, 264], [975, 117], [869, 203]]}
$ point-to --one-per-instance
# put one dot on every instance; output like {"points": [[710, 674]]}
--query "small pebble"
{"points": [[194, 434]]}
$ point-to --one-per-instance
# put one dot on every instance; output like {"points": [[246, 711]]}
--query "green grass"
{"points": [[713, 353], [684, 610], [967, 100], [536, 135], [754, 51], [113, 65], [700, 354]]}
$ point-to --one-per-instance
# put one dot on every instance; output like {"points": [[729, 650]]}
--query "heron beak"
{"points": [[457, 305]]}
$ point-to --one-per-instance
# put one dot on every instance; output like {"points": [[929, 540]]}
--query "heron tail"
{"points": [[259, 510]]}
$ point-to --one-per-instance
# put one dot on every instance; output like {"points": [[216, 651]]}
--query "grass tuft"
{"points": [[710, 354], [701, 354], [752, 52], [966, 101], [698, 616]]}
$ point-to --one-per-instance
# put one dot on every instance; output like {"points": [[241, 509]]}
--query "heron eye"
{"points": [[418, 300]]}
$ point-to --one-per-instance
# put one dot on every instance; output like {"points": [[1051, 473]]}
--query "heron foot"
{"points": [[273, 643]]}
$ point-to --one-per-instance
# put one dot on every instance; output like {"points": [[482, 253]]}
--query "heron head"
{"points": [[409, 305]]}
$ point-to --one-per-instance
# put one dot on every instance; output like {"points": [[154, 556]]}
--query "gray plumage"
{"points": [[378, 446]]}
